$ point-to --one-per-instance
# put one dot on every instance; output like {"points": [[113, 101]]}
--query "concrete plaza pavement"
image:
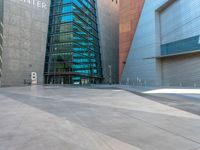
{"points": [[78, 118], [187, 99]]}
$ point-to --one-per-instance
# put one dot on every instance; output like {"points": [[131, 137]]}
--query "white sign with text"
{"points": [[33, 78], [36, 3]]}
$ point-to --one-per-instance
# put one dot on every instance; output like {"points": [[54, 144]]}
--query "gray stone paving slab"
{"points": [[57, 118]]}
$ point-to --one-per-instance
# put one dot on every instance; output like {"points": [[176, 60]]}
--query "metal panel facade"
{"points": [[180, 32], [180, 21], [139, 70], [1, 37], [182, 70], [108, 22], [175, 25]]}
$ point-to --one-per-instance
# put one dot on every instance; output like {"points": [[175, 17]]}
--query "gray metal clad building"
{"points": [[24, 40], [1, 35], [166, 45], [108, 16]]}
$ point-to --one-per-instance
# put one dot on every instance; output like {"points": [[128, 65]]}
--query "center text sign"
{"points": [[36, 3]]}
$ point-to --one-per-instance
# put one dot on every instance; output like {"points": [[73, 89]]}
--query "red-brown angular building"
{"points": [[130, 11]]}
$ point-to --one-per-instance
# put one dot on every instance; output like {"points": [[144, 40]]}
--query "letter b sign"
{"points": [[34, 77]]}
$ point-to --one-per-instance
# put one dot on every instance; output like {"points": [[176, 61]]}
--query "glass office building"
{"points": [[73, 51]]}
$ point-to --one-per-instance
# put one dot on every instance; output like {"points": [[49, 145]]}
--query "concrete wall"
{"points": [[108, 21], [1, 10], [25, 34]]}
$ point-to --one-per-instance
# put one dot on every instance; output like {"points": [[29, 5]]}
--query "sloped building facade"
{"points": [[166, 44]]}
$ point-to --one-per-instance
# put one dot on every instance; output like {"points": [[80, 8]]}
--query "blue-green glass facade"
{"points": [[181, 46], [73, 52]]}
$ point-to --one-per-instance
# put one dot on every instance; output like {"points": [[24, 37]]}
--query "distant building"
{"points": [[108, 21], [165, 43], [82, 42], [73, 51], [78, 37]]}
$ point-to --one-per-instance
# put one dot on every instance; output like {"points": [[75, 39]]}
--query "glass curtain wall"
{"points": [[73, 52]]}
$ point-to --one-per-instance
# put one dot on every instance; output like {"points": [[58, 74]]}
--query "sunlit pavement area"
{"points": [[86, 118], [187, 99]]}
